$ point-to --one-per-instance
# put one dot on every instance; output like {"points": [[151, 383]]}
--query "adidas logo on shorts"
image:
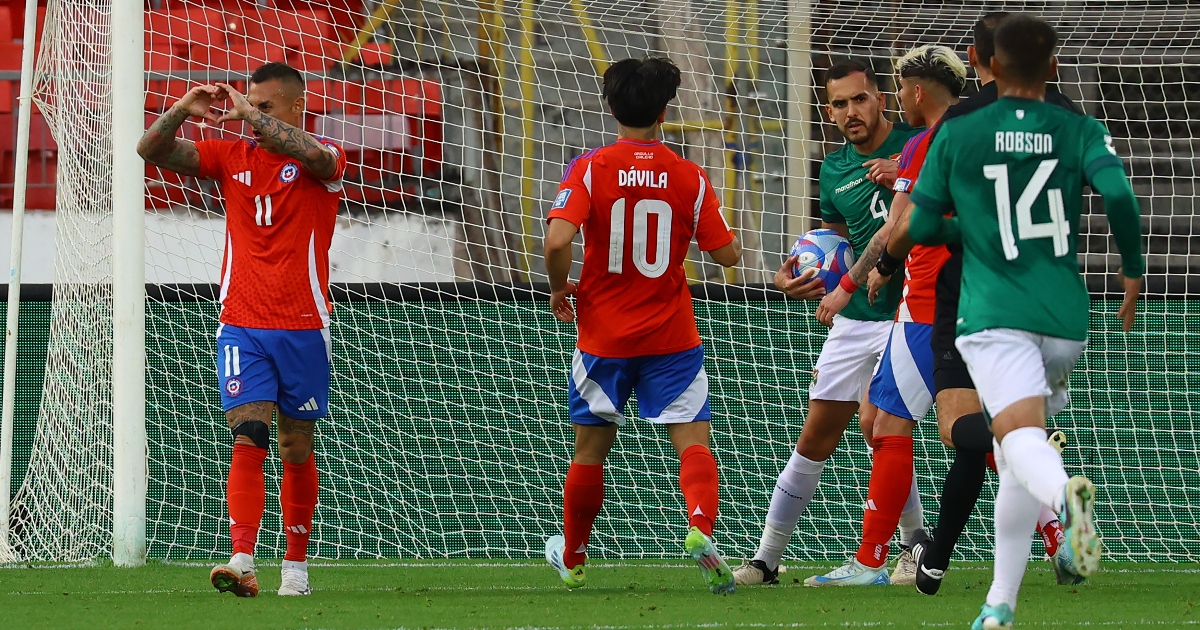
{"points": [[311, 405]]}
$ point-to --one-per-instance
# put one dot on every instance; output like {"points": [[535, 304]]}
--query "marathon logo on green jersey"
{"points": [[1024, 142], [841, 189]]}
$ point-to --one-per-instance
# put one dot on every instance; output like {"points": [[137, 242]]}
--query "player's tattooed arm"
{"points": [[295, 142], [160, 147]]}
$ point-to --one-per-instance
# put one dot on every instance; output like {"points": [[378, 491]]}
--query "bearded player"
{"points": [[855, 184], [931, 79], [639, 206], [281, 193], [1014, 171]]}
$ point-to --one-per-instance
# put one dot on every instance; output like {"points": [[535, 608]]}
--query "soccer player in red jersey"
{"points": [[639, 206], [931, 79], [281, 194]]}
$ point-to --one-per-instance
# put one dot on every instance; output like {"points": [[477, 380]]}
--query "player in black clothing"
{"points": [[967, 432]]}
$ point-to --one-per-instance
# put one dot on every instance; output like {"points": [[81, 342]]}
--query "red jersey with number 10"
{"points": [[279, 222], [924, 263], [639, 206]]}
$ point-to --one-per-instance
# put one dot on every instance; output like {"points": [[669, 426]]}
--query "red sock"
{"points": [[583, 494], [891, 481], [991, 462], [1052, 535], [298, 498], [246, 496], [698, 480]]}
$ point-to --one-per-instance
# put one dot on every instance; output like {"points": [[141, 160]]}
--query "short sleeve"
{"points": [[712, 232], [829, 212], [342, 163], [909, 164], [932, 190], [213, 157], [1098, 150], [574, 199]]}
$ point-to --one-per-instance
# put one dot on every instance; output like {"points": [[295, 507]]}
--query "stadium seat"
{"points": [[7, 28], [375, 55], [182, 29], [323, 96], [410, 97], [8, 93], [288, 29], [314, 55], [10, 56], [236, 58], [160, 94]]}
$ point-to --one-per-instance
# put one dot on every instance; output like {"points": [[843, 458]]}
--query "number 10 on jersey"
{"points": [[641, 237]]}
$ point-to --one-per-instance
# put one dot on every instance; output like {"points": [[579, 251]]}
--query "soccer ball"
{"points": [[826, 251]]}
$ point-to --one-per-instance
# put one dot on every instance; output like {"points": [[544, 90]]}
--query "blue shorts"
{"points": [[903, 381], [287, 367], [671, 388]]}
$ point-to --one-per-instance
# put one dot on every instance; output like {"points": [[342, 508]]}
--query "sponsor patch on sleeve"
{"points": [[561, 200], [903, 184]]}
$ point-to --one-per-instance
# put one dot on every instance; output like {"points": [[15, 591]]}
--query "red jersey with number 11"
{"points": [[279, 222], [639, 206]]}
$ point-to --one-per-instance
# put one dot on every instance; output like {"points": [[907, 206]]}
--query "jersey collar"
{"points": [[640, 143]]}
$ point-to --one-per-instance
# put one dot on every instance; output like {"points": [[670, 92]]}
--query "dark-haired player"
{"points": [[1014, 171], [855, 183], [931, 79], [639, 206], [961, 423], [281, 193]]}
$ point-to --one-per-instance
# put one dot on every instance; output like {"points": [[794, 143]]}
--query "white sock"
{"points": [[1016, 510], [292, 564], [913, 516], [795, 487], [1036, 465], [244, 561], [1046, 517]]}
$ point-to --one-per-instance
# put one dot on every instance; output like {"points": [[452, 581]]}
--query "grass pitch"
{"points": [[464, 594]]}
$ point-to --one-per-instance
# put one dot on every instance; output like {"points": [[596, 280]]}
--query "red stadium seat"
{"points": [[8, 93], [375, 55], [410, 97], [236, 58], [7, 28], [314, 55], [323, 96], [286, 28], [10, 56], [184, 28]]}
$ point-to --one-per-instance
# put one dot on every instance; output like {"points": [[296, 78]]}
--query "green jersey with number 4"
{"points": [[1014, 171], [847, 196]]}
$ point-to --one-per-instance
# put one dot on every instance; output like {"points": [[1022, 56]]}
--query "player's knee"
{"points": [[295, 451], [255, 431], [944, 431], [817, 447]]}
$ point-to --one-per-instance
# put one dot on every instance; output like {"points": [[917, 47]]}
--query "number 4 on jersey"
{"points": [[1056, 228]]}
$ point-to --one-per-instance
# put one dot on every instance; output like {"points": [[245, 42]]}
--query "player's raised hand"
{"points": [[882, 171], [239, 106], [805, 287], [831, 305], [1128, 310], [560, 303], [875, 282], [199, 100]]}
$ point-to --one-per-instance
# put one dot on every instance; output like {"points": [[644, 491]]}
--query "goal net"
{"points": [[448, 434]]}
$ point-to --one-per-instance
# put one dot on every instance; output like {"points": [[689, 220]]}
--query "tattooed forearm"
{"points": [[160, 147], [295, 142], [861, 270]]}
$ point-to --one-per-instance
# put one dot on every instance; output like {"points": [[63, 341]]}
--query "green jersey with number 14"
{"points": [[847, 196], [1014, 171]]}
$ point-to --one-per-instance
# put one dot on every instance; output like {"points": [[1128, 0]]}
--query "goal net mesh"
{"points": [[448, 434]]}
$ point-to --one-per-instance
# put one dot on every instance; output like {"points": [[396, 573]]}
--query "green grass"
{"points": [[528, 594]]}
